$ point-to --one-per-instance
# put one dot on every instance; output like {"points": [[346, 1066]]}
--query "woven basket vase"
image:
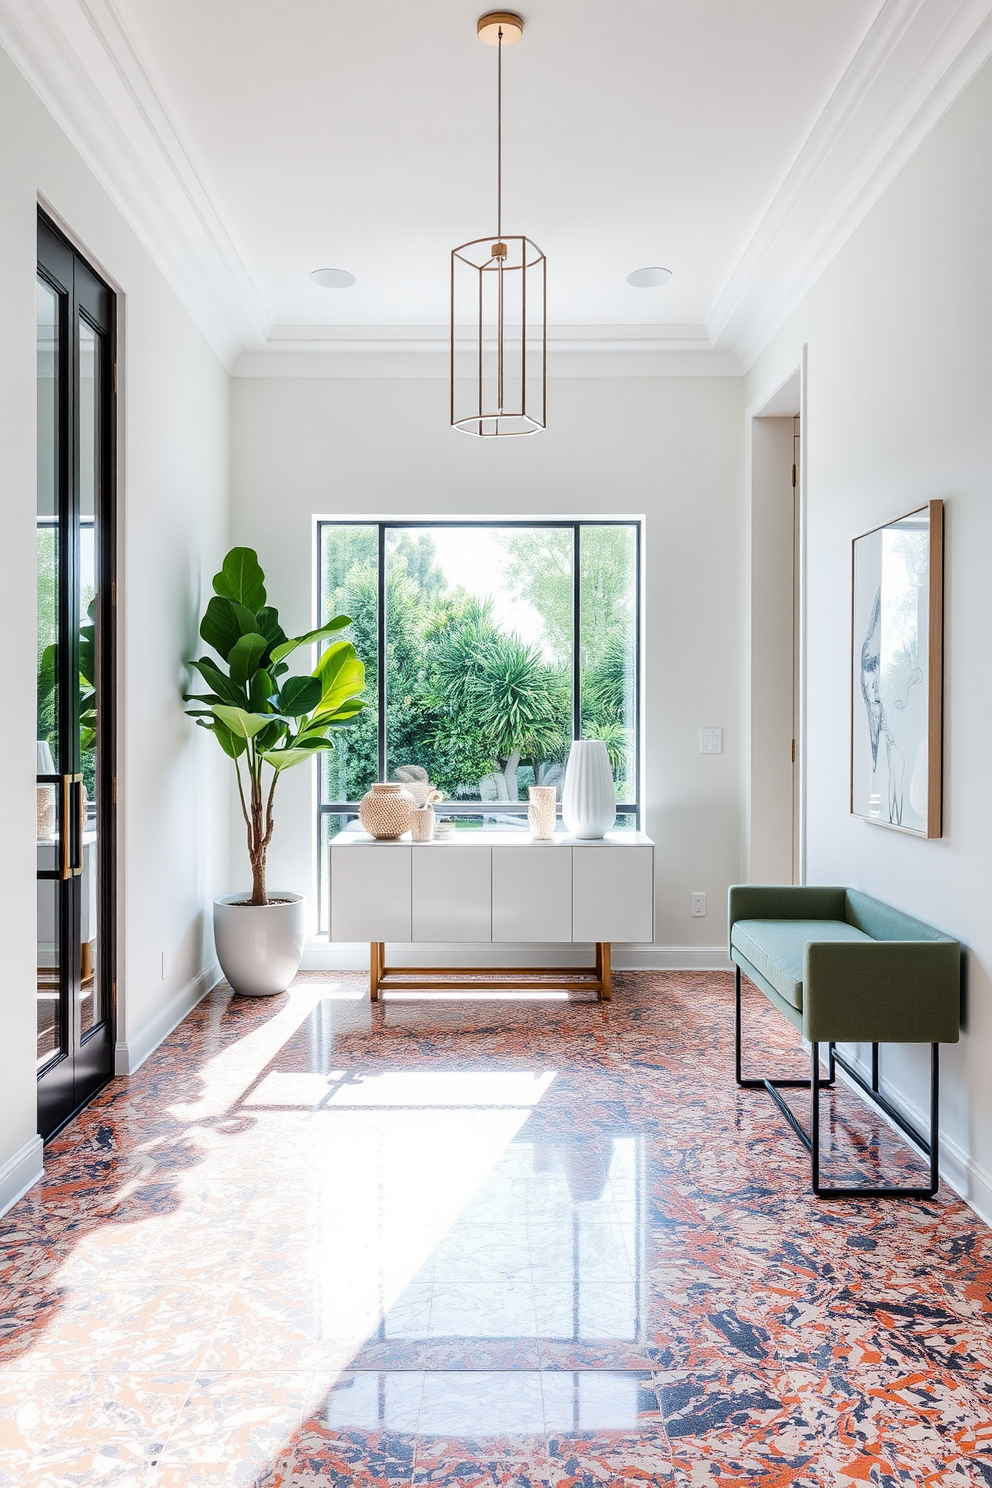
{"points": [[386, 811]]}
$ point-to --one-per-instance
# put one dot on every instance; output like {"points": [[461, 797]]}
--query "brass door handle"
{"points": [[67, 867], [77, 781], [65, 850]]}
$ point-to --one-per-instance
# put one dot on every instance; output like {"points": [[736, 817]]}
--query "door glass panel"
{"points": [[90, 352], [50, 1021]]}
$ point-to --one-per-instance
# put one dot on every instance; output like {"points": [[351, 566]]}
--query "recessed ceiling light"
{"points": [[333, 278], [649, 278]]}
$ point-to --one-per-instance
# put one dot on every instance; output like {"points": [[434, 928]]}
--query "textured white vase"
{"points": [[588, 799], [260, 947]]}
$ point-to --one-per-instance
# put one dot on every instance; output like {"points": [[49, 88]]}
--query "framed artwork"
{"points": [[897, 673]]}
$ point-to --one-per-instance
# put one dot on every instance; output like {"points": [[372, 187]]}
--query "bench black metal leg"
{"points": [[769, 1085], [816, 1083], [930, 1147]]}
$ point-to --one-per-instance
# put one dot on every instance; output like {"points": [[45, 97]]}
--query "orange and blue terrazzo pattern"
{"points": [[315, 1243]]}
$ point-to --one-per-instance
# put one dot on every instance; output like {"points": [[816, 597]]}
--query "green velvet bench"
{"points": [[845, 968]]}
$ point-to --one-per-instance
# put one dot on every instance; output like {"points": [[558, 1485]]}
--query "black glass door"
{"points": [[75, 786]]}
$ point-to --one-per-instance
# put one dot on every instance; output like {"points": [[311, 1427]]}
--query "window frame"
{"points": [[384, 525]]}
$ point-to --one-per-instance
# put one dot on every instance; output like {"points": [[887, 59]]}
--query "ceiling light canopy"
{"points": [[333, 278], [649, 278], [499, 324]]}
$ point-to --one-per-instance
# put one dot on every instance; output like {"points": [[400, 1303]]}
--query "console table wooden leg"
{"points": [[377, 962], [603, 970]]}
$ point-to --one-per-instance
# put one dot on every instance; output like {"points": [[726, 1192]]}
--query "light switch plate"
{"points": [[711, 741]]}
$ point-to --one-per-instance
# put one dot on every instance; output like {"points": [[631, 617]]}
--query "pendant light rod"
{"points": [[499, 28], [499, 133]]}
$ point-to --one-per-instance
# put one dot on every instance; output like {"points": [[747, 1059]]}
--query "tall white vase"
{"points": [[588, 800]]}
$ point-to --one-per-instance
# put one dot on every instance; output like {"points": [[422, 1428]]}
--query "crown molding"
{"points": [[916, 60], [424, 351], [80, 60]]}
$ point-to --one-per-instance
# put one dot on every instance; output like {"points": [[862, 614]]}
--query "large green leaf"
{"points": [[267, 620], [268, 739], [223, 686], [241, 579], [245, 656], [342, 717], [46, 674], [87, 654], [282, 759], [299, 695], [241, 723], [338, 623], [224, 623], [342, 676], [231, 743], [260, 690]]}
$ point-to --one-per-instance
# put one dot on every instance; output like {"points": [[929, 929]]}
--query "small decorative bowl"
{"points": [[444, 828]]}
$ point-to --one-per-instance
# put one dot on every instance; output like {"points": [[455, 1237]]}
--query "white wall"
{"points": [[670, 448], [173, 508], [899, 393]]}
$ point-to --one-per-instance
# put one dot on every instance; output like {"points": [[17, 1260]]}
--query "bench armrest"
{"points": [[783, 902], [882, 991]]}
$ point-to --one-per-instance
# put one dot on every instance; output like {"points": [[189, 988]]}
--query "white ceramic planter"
{"points": [[260, 947], [588, 798]]}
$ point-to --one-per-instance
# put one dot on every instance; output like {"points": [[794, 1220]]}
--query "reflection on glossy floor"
{"points": [[313, 1243]]}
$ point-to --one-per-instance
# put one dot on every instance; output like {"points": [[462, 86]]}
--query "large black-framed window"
{"points": [[488, 646]]}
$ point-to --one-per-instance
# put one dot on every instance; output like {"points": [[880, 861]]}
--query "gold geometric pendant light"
{"points": [[499, 320]]}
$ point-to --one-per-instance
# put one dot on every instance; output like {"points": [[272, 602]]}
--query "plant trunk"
{"points": [[257, 844], [510, 776], [258, 878]]}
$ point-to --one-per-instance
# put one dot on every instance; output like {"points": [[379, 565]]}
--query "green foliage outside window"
{"points": [[483, 710]]}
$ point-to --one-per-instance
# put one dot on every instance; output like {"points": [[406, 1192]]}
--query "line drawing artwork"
{"points": [[878, 728], [890, 736]]}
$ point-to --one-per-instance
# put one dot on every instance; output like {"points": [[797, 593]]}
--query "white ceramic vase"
{"points": [[588, 799], [260, 946]]}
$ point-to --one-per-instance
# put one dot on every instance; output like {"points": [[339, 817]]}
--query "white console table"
{"points": [[491, 888]]}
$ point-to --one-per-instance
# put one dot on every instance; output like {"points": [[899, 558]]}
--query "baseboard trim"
{"points": [[968, 1178], [672, 958], [130, 1054], [321, 955], [21, 1172]]}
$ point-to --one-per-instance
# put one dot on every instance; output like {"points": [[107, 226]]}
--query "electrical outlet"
{"points": [[166, 965], [710, 741], [698, 906]]}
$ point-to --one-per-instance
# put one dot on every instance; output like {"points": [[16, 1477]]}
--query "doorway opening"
{"points": [[774, 845], [76, 374]]}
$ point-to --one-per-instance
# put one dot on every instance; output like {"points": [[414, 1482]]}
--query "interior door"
{"points": [[75, 786]]}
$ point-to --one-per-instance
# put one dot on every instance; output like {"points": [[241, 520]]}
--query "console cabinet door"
{"points": [[613, 892], [371, 891], [532, 893], [452, 892]]}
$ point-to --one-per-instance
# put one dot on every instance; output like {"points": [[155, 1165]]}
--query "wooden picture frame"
{"points": [[897, 610]]}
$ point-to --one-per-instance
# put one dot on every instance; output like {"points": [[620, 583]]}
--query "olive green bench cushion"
{"points": [[844, 967]]}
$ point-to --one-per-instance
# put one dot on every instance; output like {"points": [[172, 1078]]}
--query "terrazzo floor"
{"points": [[313, 1242]]}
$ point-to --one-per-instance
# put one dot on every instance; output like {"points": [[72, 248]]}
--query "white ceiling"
{"points": [[737, 142], [363, 136]]}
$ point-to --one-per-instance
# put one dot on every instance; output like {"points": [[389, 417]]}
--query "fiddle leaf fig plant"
{"points": [[260, 716]]}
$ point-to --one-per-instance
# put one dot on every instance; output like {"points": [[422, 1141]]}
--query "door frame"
{"points": [[93, 296]]}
